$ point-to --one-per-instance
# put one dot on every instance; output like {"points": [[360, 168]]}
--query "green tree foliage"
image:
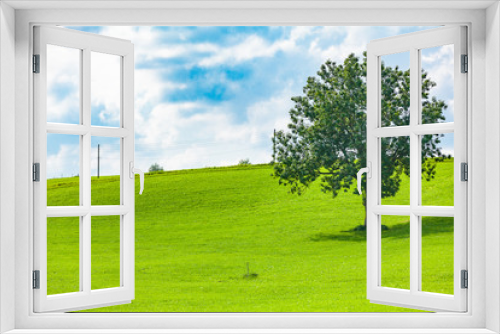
{"points": [[326, 136], [155, 168], [244, 162]]}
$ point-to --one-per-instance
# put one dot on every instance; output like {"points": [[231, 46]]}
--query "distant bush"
{"points": [[244, 162], [155, 168]]}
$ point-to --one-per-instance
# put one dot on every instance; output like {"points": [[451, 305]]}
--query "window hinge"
{"points": [[36, 172], [36, 63], [465, 64], [464, 171], [36, 279], [465, 279]]}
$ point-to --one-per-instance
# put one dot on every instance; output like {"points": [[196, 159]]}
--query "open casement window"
{"points": [[83, 88], [420, 214]]}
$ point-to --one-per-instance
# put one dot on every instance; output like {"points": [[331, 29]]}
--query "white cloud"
{"points": [[105, 86], [265, 116], [149, 90], [350, 40], [439, 64], [148, 43], [65, 163], [450, 111], [178, 136], [448, 151], [145, 38], [63, 91], [181, 50], [252, 47]]}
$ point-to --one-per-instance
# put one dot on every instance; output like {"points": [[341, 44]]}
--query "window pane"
{"points": [[395, 170], [105, 252], [437, 254], [437, 170], [63, 170], [105, 170], [63, 84], [63, 255], [105, 89], [395, 89], [437, 84], [395, 252]]}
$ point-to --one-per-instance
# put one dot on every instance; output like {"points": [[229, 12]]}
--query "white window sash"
{"points": [[415, 297], [85, 298]]}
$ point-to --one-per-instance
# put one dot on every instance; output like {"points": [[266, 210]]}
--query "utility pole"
{"points": [[98, 159]]}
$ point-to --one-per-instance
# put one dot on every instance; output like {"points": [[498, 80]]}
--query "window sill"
{"points": [[250, 331]]}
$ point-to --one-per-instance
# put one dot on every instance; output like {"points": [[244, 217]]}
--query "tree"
{"points": [[326, 136], [155, 168], [244, 162]]}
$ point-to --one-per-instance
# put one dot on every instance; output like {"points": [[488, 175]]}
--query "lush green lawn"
{"points": [[197, 230]]}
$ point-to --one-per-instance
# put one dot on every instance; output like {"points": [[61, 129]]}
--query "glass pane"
{"points": [[395, 170], [395, 89], [437, 169], [105, 89], [395, 252], [105, 252], [63, 255], [437, 254], [105, 170], [63, 170], [63, 84], [437, 84]]}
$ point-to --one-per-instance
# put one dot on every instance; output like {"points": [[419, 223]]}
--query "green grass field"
{"points": [[232, 240]]}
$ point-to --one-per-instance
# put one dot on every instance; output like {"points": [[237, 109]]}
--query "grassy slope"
{"points": [[197, 230]]}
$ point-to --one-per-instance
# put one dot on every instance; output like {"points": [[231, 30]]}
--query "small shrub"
{"points": [[155, 168], [244, 162]]}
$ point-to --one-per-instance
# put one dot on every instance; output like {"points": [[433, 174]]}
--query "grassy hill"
{"points": [[232, 240]]}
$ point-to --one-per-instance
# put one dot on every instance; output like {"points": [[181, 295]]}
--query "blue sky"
{"points": [[210, 96]]}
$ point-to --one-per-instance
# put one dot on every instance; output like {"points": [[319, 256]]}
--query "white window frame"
{"points": [[483, 124]]}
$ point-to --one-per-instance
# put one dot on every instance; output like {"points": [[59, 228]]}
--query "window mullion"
{"points": [[85, 246], [86, 138], [415, 246]]}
